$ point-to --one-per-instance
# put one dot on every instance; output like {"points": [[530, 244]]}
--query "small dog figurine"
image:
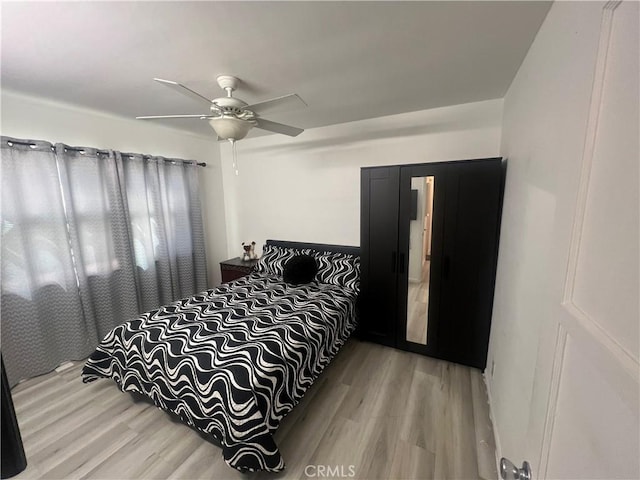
{"points": [[249, 251]]}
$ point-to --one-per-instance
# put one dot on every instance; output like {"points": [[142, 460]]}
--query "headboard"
{"points": [[322, 247]]}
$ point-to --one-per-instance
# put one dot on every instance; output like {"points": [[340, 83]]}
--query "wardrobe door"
{"points": [[379, 254], [470, 247]]}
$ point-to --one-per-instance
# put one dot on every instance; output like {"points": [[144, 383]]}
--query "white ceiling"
{"points": [[347, 60]]}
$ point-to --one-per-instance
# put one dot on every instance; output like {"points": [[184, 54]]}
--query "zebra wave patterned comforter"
{"points": [[233, 361]]}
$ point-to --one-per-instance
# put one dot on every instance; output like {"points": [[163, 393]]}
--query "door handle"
{"points": [[401, 262], [508, 471]]}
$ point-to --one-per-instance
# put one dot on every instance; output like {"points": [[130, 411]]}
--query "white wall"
{"points": [[549, 344], [40, 119], [308, 188]]}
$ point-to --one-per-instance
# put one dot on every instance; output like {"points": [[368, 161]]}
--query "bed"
{"points": [[233, 361]]}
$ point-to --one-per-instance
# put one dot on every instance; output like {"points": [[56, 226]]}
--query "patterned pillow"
{"points": [[274, 258], [339, 269]]}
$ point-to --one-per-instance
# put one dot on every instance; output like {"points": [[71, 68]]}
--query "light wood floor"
{"points": [[389, 413]]}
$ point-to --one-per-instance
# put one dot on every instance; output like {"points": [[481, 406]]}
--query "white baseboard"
{"points": [[496, 436]]}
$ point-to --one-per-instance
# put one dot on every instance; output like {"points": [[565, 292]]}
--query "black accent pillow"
{"points": [[300, 269]]}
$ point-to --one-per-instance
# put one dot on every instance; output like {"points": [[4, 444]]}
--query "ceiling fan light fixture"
{"points": [[228, 127]]}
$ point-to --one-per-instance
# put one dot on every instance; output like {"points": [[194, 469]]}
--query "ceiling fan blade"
{"points": [[155, 117], [278, 127], [178, 87], [286, 102]]}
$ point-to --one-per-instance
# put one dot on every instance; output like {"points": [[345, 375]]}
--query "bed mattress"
{"points": [[233, 361]]}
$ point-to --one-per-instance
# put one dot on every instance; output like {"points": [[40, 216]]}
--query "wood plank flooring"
{"points": [[375, 413]]}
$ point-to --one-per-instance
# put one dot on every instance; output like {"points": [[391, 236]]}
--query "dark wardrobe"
{"points": [[429, 246], [13, 457]]}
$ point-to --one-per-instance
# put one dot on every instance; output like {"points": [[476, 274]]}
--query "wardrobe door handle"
{"points": [[401, 266], [393, 262]]}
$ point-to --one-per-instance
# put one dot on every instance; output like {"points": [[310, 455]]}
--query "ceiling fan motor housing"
{"points": [[228, 103]]}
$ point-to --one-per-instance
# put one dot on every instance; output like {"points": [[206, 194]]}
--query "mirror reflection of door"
{"points": [[419, 258]]}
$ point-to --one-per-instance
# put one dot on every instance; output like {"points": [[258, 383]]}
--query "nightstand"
{"points": [[235, 268]]}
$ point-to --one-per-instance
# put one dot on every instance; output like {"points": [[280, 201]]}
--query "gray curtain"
{"points": [[99, 235], [90, 239], [166, 227], [43, 322]]}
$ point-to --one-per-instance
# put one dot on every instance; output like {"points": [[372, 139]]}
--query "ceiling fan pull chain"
{"points": [[234, 153]]}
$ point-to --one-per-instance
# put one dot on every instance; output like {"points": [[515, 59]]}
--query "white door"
{"points": [[585, 419], [565, 335]]}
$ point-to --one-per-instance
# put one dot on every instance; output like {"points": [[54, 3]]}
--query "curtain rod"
{"points": [[102, 152]]}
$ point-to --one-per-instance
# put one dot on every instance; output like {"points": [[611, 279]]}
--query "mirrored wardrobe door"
{"points": [[420, 232], [418, 270]]}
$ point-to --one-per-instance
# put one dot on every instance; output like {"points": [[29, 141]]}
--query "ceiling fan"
{"points": [[230, 117]]}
